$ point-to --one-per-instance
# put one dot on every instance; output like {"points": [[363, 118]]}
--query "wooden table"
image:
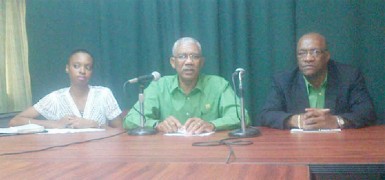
{"points": [[277, 154]]}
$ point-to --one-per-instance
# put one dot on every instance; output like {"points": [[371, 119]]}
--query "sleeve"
{"points": [[151, 110], [112, 107], [361, 111], [274, 112], [48, 107], [228, 111]]}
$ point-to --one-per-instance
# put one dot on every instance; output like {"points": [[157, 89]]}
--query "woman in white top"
{"points": [[77, 106]]}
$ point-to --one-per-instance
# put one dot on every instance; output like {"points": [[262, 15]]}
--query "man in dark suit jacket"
{"points": [[319, 94]]}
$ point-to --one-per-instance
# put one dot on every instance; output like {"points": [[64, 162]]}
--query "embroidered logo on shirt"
{"points": [[207, 106]]}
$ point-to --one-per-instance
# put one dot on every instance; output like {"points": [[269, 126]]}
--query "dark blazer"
{"points": [[346, 95]]}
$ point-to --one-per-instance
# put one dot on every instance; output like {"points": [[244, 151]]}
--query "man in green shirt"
{"points": [[188, 100]]}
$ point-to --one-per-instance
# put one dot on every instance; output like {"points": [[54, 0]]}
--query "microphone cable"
{"points": [[235, 95], [144, 117], [133, 107], [229, 142], [124, 88]]}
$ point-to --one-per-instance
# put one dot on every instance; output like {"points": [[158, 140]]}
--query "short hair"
{"points": [[79, 51], [185, 40]]}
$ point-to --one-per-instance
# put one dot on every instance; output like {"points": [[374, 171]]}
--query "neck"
{"points": [[316, 81], [79, 91], [187, 86]]}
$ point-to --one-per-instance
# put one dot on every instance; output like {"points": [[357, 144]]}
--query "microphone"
{"points": [[243, 131], [153, 76], [239, 70], [142, 130]]}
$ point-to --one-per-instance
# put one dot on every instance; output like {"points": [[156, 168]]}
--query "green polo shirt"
{"points": [[212, 100], [316, 96]]}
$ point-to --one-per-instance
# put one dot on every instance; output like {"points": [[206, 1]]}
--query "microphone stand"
{"points": [[243, 132], [141, 130]]}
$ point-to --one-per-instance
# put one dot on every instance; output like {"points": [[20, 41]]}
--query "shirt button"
{"points": [[187, 114], [188, 98]]}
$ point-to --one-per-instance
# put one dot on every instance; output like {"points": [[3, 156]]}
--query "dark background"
{"points": [[129, 38]]}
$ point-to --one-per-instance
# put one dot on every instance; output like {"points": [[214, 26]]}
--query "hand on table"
{"points": [[318, 119]]}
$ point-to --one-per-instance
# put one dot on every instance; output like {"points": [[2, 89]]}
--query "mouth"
{"points": [[306, 67], [82, 78], [188, 71]]}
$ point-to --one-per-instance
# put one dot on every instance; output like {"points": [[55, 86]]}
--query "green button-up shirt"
{"points": [[316, 95], [211, 100]]}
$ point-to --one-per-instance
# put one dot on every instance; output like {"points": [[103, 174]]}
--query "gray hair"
{"points": [[185, 40]]}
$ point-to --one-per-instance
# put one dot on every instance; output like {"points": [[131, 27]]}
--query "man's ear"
{"points": [[328, 55], [172, 62], [201, 62], [67, 69]]}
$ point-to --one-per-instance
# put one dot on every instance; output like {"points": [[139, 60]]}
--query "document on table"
{"points": [[182, 132], [34, 128], [23, 129], [315, 131]]}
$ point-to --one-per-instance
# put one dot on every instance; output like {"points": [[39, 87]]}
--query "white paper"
{"points": [[182, 132], [315, 131], [23, 129], [8, 131]]}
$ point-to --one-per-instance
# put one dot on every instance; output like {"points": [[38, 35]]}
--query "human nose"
{"points": [[308, 56], [189, 59], [82, 70]]}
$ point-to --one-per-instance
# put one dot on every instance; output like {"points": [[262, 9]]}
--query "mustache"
{"points": [[188, 68], [307, 64]]}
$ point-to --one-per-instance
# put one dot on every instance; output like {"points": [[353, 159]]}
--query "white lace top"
{"points": [[100, 106]]}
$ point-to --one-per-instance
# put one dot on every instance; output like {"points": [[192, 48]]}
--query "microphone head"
{"points": [[156, 75], [239, 70]]}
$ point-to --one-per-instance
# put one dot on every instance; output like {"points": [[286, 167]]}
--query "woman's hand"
{"points": [[79, 123], [64, 122]]}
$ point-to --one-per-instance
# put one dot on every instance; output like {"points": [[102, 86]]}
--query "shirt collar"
{"points": [[308, 85], [175, 83]]}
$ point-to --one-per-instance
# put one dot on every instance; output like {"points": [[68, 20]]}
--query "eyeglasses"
{"points": [[184, 57], [312, 52]]}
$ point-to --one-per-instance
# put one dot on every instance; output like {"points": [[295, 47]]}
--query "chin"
{"points": [[85, 83], [311, 75], [188, 78]]}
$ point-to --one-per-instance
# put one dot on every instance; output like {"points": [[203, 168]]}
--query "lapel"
{"points": [[331, 88], [301, 93]]}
